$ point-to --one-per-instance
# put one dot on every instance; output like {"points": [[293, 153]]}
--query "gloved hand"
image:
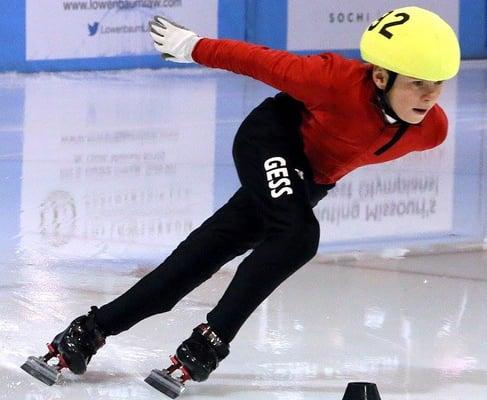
{"points": [[175, 42]]}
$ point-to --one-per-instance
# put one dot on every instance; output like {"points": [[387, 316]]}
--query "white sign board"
{"points": [[63, 29], [326, 24]]}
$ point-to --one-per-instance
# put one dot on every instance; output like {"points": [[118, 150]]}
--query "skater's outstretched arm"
{"points": [[309, 79]]}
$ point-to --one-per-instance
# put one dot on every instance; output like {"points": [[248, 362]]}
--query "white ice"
{"points": [[103, 173]]}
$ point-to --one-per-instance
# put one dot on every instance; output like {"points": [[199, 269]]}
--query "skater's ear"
{"points": [[380, 77]]}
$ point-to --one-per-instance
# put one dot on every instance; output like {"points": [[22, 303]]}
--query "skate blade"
{"points": [[37, 368], [165, 383]]}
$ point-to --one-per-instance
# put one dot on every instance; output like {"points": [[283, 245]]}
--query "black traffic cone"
{"points": [[361, 391]]}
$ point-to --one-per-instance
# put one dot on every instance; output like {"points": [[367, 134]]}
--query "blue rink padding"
{"points": [[259, 21], [12, 36], [473, 29]]}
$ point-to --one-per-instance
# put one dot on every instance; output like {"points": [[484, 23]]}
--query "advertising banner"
{"points": [[63, 29], [113, 168], [326, 24]]}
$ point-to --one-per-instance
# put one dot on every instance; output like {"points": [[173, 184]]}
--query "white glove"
{"points": [[175, 42]]}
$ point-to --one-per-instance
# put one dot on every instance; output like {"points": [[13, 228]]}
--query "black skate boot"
{"points": [[73, 349], [202, 352], [195, 358]]}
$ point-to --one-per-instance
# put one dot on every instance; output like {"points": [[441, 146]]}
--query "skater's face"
{"points": [[410, 98]]}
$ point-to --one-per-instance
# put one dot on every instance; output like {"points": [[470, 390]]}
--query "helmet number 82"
{"points": [[403, 18]]}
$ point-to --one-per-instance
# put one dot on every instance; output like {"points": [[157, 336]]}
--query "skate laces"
{"points": [[221, 348], [212, 337]]}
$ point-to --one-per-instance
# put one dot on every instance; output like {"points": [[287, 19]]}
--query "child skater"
{"points": [[331, 116]]}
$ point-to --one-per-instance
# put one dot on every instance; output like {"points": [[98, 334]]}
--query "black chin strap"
{"points": [[390, 81], [383, 100], [403, 125], [386, 107]]}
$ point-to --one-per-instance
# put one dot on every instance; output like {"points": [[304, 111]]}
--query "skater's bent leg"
{"points": [[268, 153], [231, 231], [260, 273]]}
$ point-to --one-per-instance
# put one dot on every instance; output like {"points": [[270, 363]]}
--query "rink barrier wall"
{"points": [[11, 143], [470, 171], [259, 21]]}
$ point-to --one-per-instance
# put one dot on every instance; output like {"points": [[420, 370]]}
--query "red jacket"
{"points": [[343, 126]]}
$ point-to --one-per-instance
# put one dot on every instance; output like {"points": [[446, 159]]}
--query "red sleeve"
{"points": [[437, 126], [306, 78], [442, 128]]}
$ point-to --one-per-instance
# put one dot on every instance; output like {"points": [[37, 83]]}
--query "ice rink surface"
{"points": [[103, 173]]}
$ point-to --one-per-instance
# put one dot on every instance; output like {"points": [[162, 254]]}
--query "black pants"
{"points": [[271, 213]]}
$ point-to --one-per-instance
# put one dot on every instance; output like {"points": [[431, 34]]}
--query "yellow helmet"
{"points": [[414, 42]]}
